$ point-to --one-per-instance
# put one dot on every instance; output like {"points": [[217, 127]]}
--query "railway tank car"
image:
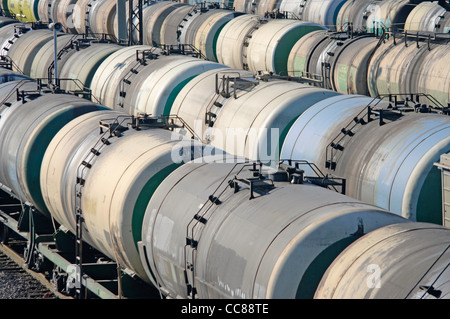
{"points": [[371, 153], [76, 172], [240, 247], [415, 248], [218, 117], [428, 16], [112, 162]]}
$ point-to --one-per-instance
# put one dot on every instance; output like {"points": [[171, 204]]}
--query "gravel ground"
{"points": [[16, 283]]}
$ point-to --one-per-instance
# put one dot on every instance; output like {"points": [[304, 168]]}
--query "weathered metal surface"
{"points": [[258, 248], [234, 36], [109, 75], [124, 171], [353, 15], [25, 135], [255, 125], [406, 260], [426, 16], [170, 31], [25, 48], [388, 14], [433, 74], [390, 166], [155, 88], [393, 67], [82, 64], [272, 42], [45, 57]]}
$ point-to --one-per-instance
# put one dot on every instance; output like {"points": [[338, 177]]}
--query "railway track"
{"points": [[19, 282]]}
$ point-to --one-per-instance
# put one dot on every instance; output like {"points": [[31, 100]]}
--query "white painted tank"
{"points": [[270, 45], [434, 74], [170, 26], [206, 35], [233, 38], [124, 175], [393, 67], [322, 12], [102, 17], [154, 18], [110, 73], [25, 135], [255, 124], [426, 16], [388, 14], [400, 261], [276, 245], [390, 166], [81, 65], [155, 88], [25, 48], [198, 97], [45, 57]]}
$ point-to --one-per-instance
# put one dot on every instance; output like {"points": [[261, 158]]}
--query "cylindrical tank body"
{"points": [[294, 7], [208, 31], [255, 125], [199, 97], [102, 17], [8, 35], [81, 65], [43, 10], [10, 82], [322, 12], [6, 20], [154, 17], [25, 135], [388, 14], [79, 15], [394, 67], [425, 17], [65, 15], [399, 261], [354, 13], [276, 245], [123, 173], [110, 74], [301, 53], [388, 165], [248, 6], [170, 26], [155, 88], [349, 70], [45, 56], [232, 39], [268, 6], [271, 43], [9, 76], [25, 48], [434, 74]]}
